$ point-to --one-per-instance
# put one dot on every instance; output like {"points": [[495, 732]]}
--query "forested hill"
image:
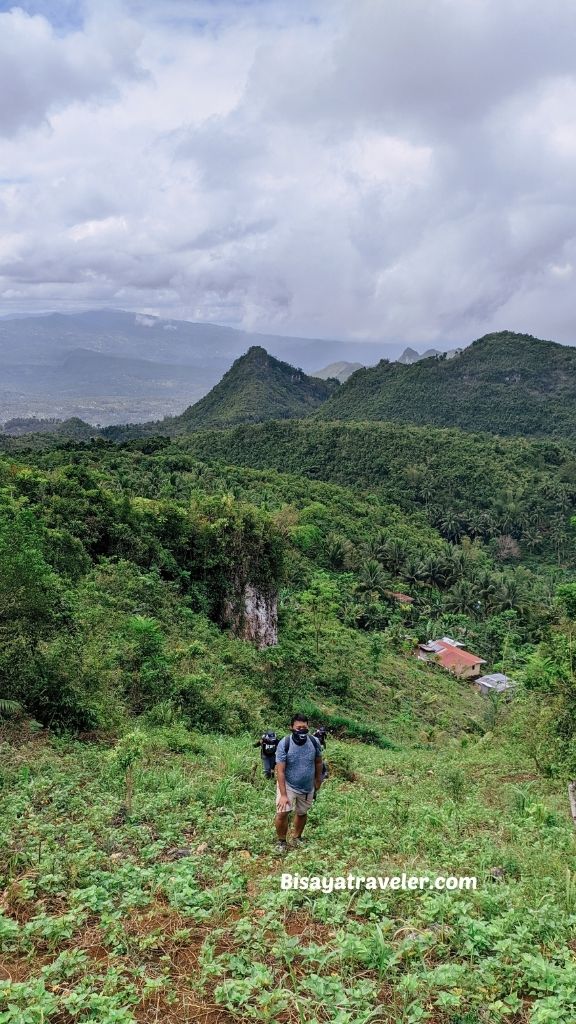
{"points": [[256, 387], [466, 484], [504, 383]]}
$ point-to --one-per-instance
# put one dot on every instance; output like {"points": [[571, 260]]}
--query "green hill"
{"points": [[464, 483], [504, 383], [73, 429], [138, 866], [256, 387]]}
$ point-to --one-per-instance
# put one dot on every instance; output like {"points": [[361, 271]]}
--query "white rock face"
{"points": [[256, 618]]}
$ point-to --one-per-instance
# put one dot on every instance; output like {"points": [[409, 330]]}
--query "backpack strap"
{"points": [[317, 746], [315, 743]]}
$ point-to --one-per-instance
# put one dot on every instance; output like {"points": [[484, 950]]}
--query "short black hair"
{"points": [[298, 717]]}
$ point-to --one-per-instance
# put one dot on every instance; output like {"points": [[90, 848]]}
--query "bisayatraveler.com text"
{"points": [[336, 883]]}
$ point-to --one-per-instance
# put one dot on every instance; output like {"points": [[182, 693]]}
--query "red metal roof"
{"points": [[450, 657], [402, 598]]}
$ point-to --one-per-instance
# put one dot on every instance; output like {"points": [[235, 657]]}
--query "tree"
{"points": [[31, 604], [320, 601]]}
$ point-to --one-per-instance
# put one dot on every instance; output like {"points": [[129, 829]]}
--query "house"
{"points": [[496, 682], [450, 655], [397, 596]]}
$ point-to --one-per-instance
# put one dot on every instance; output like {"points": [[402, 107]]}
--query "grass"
{"points": [[175, 913]]}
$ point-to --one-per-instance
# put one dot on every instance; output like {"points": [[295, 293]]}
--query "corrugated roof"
{"points": [[450, 657], [402, 598]]}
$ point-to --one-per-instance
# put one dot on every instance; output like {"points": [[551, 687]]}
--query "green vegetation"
{"points": [[119, 570], [257, 387], [174, 910], [73, 429], [465, 485], [504, 383], [138, 883]]}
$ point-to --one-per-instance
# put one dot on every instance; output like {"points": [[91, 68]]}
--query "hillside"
{"points": [[140, 875], [465, 484], [175, 913], [123, 569], [257, 387], [138, 865], [505, 383]]}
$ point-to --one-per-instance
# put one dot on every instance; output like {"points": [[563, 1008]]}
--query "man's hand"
{"points": [[283, 805]]}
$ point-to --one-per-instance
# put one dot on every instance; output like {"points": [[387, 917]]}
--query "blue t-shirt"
{"points": [[300, 764]]}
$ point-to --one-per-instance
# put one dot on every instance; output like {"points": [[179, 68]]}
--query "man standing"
{"points": [[298, 778], [268, 743]]}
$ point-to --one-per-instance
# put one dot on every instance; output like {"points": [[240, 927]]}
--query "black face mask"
{"points": [[299, 736]]}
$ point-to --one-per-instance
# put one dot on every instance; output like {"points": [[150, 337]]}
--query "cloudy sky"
{"points": [[362, 169]]}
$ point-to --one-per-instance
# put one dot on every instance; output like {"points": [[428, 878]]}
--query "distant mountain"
{"points": [[340, 370], [73, 429], [66, 364], [410, 355], [257, 387], [504, 383]]}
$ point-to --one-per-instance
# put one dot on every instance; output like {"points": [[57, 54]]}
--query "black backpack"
{"points": [[269, 746]]}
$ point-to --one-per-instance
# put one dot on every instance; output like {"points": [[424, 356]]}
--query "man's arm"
{"points": [[318, 770], [283, 803]]}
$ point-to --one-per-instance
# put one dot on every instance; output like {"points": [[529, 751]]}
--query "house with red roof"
{"points": [[401, 598], [450, 655]]}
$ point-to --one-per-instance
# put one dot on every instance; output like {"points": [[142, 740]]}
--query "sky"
{"points": [[389, 170]]}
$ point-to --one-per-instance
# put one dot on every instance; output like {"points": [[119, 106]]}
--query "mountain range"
{"points": [[504, 383], [113, 366], [340, 370]]}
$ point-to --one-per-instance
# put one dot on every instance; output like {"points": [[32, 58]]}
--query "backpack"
{"points": [[318, 749], [269, 746]]}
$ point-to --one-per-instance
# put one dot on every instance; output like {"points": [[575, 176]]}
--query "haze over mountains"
{"points": [[112, 366], [115, 368], [508, 384]]}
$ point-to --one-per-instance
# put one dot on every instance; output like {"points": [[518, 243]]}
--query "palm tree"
{"points": [[451, 524], [392, 553], [463, 598], [372, 579], [415, 570]]}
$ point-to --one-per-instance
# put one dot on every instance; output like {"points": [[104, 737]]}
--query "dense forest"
{"points": [[504, 383], [465, 485], [92, 526]]}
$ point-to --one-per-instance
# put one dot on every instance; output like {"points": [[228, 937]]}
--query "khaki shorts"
{"points": [[299, 802]]}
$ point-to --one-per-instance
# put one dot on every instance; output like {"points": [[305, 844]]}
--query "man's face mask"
{"points": [[299, 736]]}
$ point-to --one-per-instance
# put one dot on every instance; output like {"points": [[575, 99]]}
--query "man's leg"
{"points": [[281, 822], [299, 823]]}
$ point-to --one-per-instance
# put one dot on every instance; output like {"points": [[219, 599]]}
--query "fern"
{"points": [[10, 707]]}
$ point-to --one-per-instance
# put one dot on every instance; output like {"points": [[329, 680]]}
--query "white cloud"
{"points": [[402, 170], [42, 71]]}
